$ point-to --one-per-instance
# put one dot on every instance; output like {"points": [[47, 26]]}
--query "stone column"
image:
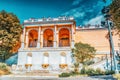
{"points": [[72, 36], [38, 42], [23, 39], [26, 41], [55, 37], [41, 39]]}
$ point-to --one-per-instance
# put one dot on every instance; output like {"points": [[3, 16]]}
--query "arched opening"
{"points": [[48, 38], [29, 58], [64, 37], [33, 37]]}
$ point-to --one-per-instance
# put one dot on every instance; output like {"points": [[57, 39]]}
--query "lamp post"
{"points": [[108, 24], [119, 48], [112, 46]]}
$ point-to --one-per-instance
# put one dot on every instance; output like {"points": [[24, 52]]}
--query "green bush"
{"points": [[4, 69], [99, 72], [83, 71], [64, 75], [73, 73], [3, 66], [90, 71], [89, 62], [108, 72]]}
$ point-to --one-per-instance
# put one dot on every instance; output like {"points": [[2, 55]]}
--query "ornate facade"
{"points": [[47, 43]]}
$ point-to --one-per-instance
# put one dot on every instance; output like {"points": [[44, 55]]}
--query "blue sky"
{"points": [[84, 11]]}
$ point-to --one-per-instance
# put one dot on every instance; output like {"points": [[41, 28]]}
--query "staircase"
{"points": [[101, 64]]}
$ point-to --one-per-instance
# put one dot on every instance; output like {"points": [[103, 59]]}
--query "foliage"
{"points": [[4, 69], [73, 73], [76, 67], [64, 75], [83, 71], [10, 31], [90, 71], [108, 72], [115, 12], [94, 72], [83, 52], [88, 62]]}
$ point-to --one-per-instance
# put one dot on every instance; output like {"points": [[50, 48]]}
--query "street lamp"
{"points": [[0, 42], [108, 23], [119, 48]]}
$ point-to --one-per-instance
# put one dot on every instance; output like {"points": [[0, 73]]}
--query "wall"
{"points": [[96, 38]]}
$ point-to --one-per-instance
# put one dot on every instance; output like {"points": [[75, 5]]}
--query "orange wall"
{"points": [[96, 38]]}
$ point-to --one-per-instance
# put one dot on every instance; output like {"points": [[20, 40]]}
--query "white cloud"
{"points": [[95, 20], [76, 2], [86, 12], [78, 14]]}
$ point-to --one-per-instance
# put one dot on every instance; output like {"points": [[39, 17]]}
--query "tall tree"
{"points": [[10, 31], [83, 52], [115, 12]]}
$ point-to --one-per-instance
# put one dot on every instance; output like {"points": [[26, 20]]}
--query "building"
{"points": [[96, 37], [47, 43]]}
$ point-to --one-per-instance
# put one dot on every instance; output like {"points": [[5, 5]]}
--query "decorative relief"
{"points": [[62, 66], [45, 66]]}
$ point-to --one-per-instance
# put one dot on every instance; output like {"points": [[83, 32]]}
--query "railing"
{"points": [[49, 19]]}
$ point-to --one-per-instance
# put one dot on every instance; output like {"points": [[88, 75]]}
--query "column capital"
{"points": [[55, 36], [55, 25], [38, 42], [26, 33]]}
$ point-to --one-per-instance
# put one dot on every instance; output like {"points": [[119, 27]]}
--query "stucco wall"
{"points": [[96, 38]]}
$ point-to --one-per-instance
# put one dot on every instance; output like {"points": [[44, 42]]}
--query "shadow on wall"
{"points": [[12, 59]]}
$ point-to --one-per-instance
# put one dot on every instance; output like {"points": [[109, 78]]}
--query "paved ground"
{"points": [[11, 77]]}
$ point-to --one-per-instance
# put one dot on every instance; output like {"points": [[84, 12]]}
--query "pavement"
{"points": [[24, 77]]}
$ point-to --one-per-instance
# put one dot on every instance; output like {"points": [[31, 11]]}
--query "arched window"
{"points": [[48, 38], [64, 37], [46, 58], [63, 58], [29, 58], [33, 37]]}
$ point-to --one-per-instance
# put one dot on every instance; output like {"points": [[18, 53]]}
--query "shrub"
{"points": [[83, 71], [99, 72], [4, 69], [3, 66], [108, 72], [72, 73], [89, 62], [90, 71], [93, 72], [64, 75]]}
